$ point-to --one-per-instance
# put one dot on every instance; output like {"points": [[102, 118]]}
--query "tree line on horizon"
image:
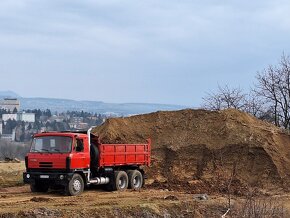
{"points": [[24, 131]]}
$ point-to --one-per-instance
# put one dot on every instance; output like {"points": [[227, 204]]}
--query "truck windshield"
{"points": [[52, 144]]}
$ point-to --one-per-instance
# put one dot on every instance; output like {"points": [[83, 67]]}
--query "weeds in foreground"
{"points": [[254, 207]]}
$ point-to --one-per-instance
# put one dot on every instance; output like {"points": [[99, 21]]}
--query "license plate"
{"points": [[44, 176]]}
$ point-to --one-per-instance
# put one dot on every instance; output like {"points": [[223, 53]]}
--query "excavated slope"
{"points": [[199, 149]]}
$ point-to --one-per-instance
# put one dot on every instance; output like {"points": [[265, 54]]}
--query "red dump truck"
{"points": [[76, 160]]}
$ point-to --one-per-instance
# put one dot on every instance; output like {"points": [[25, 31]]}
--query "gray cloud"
{"points": [[137, 51]]}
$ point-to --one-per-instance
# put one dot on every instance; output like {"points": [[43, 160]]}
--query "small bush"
{"points": [[11, 150], [254, 207]]}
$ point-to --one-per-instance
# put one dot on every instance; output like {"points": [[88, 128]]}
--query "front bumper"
{"points": [[59, 178]]}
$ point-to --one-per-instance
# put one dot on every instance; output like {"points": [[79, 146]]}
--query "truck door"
{"points": [[79, 157]]}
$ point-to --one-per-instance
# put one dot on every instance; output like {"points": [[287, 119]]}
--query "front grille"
{"points": [[45, 164], [47, 170]]}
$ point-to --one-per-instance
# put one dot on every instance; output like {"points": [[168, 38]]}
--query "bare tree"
{"points": [[270, 99], [254, 105], [225, 98], [274, 89]]}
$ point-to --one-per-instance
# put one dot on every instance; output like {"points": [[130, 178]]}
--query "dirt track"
{"points": [[17, 201], [20, 202]]}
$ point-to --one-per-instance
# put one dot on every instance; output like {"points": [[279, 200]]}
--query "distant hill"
{"points": [[125, 109], [8, 94], [62, 105]]}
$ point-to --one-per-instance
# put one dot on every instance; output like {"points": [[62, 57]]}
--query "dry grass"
{"points": [[11, 174]]}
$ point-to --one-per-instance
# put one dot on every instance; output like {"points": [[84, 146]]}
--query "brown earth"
{"points": [[204, 151], [20, 202], [194, 151]]}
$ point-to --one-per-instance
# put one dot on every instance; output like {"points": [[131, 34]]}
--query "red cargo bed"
{"points": [[125, 154]]}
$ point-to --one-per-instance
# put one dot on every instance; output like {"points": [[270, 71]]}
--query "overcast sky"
{"points": [[138, 51]]}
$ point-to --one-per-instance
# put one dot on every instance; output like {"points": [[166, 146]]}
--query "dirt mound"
{"points": [[190, 146]]}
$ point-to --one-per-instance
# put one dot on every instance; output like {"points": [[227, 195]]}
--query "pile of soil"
{"points": [[201, 150]]}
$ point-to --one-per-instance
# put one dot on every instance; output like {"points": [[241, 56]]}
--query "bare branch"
{"points": [[225, 98]]}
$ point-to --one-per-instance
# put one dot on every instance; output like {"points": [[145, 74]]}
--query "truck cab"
{"points": [[75, 160]]}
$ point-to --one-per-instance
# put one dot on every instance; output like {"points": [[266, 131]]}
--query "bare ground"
{"points": [[192, 152], [18, 201]]}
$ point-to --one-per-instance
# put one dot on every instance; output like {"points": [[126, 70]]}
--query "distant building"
{"points": [[93, 118], [79, 126], [10, 104], [77, 119], [43, 118], [6, 117], [1, 130], [56, 118], [26, 117], [78, 123], [13, 134], [21, 116]]}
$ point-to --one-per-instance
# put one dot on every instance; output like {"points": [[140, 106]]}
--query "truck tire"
{"points": [[135, 179], [39, 187], [75, 185], [120, 182]]}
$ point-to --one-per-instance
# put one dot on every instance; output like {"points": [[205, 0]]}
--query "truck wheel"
{"points": [[120, 182], [135, 179], [75, 185], [39, 187]]}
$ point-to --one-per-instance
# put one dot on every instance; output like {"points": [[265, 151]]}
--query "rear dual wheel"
{"points": [[132, 179], [135, 179], [120, 182]]}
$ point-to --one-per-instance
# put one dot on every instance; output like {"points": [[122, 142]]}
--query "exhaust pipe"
{"points": [[100, 180]]}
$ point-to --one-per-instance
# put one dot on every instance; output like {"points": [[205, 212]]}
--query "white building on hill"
{"points": [[26, 117], [21, 116], [6, 117], [10, 104]]}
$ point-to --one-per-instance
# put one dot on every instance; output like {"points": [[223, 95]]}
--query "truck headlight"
{"points": [[27, 175], [61, 177]]}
